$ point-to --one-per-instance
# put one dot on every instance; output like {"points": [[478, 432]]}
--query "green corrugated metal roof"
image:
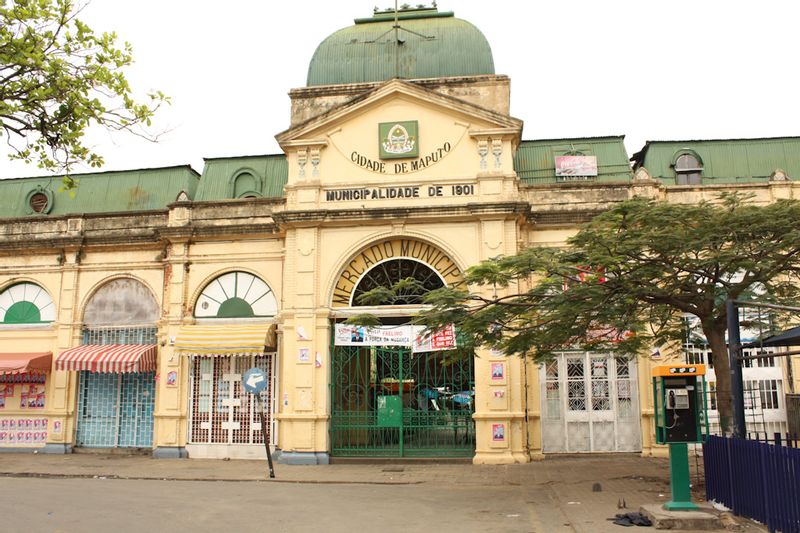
{"points": [[220, 174], [127, 190], [725, 160], [534, 161], [435, 45]]}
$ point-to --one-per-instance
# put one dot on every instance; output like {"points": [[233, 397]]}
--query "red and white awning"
{"points": [[109, 358]]}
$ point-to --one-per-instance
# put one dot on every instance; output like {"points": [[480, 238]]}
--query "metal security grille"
{"points": [[590, 404], [388, 402], [120, 335], [389, 273], [764, 406], [116, 410], [221, 411]]}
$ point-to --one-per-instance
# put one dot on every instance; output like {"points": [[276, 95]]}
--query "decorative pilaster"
{"points": [[483, 151], [497, 151], [315, 157], [302, 158]]}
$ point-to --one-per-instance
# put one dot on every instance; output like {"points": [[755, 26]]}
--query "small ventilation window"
{"points": [[39, 201]]}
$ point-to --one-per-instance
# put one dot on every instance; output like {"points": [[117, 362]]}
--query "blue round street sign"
{"points": [[254, 380]]}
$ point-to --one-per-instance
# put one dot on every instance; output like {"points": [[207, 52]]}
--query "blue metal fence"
{"points": [[755, 479]]}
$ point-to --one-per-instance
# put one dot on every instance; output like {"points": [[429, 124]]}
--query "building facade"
{"points": [[129, 312]]}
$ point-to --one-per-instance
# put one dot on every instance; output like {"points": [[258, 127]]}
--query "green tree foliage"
{"points": [[628, 279], [57, 78]]}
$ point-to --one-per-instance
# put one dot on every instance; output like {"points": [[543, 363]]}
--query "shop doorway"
{"points": [[221, 411], [116, 364], [390, 402], [116, 410], [590, 404]]}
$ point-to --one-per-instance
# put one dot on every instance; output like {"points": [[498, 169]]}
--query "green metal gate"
{"points": [[389, 402]]}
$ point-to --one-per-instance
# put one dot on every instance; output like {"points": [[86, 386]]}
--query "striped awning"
{"points": [[225, 339], [109, 358], [25, 363]]}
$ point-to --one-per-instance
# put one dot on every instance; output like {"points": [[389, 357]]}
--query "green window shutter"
{"points": [[22, 313], [235, 308]]}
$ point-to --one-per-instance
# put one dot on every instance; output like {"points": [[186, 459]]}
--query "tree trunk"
{"points": [[715, 335]]}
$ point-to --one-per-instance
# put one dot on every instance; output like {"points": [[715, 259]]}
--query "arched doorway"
{"points": [[393, 393], [235, 311], [116, 364]]}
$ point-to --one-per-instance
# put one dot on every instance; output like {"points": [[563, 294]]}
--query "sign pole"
{"points": [[264, 434], [255, 381]]}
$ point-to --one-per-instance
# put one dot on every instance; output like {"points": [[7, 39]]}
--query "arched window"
{"points": [[236, 295], [121, 302], [688, 169], [26, 303], [246, 185], [388, 273]]}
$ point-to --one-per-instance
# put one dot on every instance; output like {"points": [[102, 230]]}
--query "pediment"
{"points": [[392, 94]]}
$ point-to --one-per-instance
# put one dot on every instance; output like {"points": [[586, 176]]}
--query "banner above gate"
{"points": [[349, 335]]}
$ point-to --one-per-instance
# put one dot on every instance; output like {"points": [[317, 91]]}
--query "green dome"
{"points": [[432, 45]]}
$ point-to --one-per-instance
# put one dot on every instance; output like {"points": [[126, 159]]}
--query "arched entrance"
{"points": [[394, 393], [235, 309], [116, 362]]}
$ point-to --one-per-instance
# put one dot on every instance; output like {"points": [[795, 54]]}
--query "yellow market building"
{"points": [[129, 312]]}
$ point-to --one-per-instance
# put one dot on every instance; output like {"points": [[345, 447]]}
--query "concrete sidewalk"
{"points": [[615, 471], [566, 493]]}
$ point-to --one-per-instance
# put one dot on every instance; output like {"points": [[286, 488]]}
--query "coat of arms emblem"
{"points": [[398, 139]]}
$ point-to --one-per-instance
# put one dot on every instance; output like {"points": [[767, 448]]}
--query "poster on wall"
{"points": [[498, 432], [498, 372], [442, 339], [23, 431], [351, 335], [576, 165], [304, 355]]}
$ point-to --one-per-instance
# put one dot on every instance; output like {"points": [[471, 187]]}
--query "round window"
{"points": [[39, 202]]}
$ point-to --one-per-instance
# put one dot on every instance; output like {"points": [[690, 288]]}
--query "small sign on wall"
{"points": [[172, 379]]}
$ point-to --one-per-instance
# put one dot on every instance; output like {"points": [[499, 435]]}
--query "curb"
{"points": [[42, 475]]}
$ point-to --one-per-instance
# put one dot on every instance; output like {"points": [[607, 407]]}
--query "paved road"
{"points": [[120, 506]]}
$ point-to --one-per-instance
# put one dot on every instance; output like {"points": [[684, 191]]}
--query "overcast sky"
{"points": [[651, 69]]}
